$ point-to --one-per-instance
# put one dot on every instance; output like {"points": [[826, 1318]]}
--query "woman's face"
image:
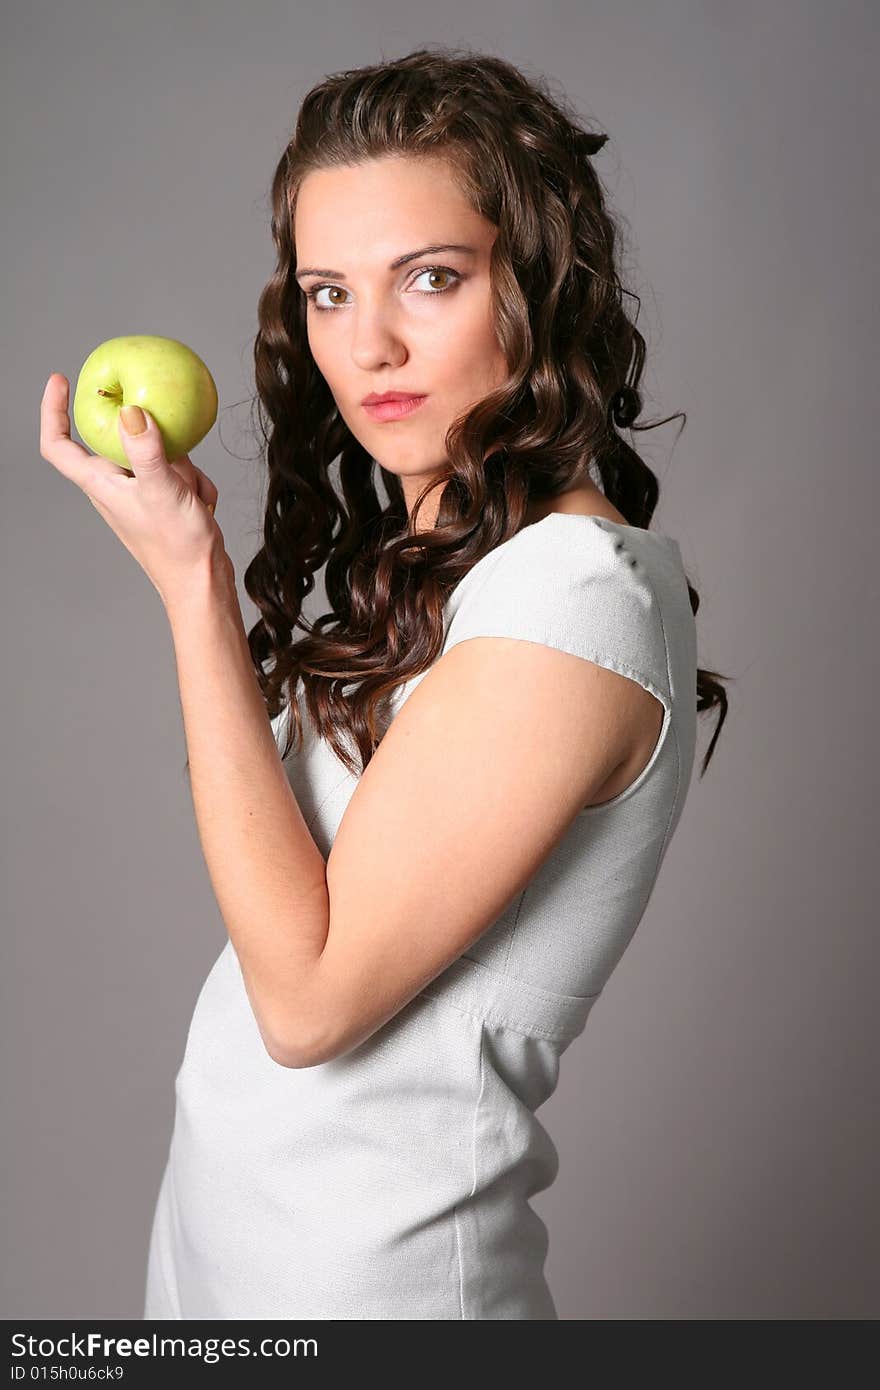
{"points": [[374, 327]]}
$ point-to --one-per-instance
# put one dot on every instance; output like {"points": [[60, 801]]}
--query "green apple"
{"points": [[164, 376]]}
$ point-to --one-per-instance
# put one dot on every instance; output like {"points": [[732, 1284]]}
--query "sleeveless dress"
{"points": [[393, 1182]]}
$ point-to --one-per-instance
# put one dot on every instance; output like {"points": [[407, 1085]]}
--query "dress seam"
{"points": [[473, 1183], [509, 950], [323, 802], [493, 1017], [170, 1277], [673, 730]]}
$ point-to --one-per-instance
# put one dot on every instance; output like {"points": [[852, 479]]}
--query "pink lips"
{"points": [[394, 410]]}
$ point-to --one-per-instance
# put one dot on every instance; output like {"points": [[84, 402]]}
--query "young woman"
{"points": [[434, 824]]}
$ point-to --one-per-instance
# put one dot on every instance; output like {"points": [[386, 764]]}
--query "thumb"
{"points": [[144, 449]]}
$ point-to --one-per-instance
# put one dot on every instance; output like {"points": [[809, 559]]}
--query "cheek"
{"points": [[326, 362], [481, 346], [484, 366]]}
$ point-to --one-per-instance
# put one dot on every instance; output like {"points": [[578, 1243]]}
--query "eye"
{"points": [[312, 294], [438, 270]]}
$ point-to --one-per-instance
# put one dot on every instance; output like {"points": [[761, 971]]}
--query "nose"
{"points": [[376, 339]]}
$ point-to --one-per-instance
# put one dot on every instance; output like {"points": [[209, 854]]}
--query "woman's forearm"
{"points": [[268, 875]]}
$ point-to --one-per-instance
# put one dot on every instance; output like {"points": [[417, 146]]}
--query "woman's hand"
{"points": [[163, 514]]}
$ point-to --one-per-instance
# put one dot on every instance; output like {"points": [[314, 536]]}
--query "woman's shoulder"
{"points": [[586, 584], [562, 551]]}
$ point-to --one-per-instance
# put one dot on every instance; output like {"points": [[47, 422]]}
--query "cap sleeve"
{"points": [[580, 584]]}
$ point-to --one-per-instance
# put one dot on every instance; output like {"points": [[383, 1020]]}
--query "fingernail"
{"points": [[134, 421], [211, 508]]}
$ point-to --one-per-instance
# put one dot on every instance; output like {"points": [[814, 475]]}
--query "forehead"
{"points": [[390, 204]]}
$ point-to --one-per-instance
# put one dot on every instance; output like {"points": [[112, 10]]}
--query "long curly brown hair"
{"points": [[574, 362]]}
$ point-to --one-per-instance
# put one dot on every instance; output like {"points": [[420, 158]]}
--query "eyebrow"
{"points": [[401, 260]]}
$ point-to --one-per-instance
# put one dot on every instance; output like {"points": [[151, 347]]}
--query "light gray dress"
{"points": [[393, 1182]]}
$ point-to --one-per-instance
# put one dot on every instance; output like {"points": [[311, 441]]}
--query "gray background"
{"points": [[717, 1121]]}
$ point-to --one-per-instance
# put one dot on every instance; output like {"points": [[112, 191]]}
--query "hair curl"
{"points": [[574, 362]]}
